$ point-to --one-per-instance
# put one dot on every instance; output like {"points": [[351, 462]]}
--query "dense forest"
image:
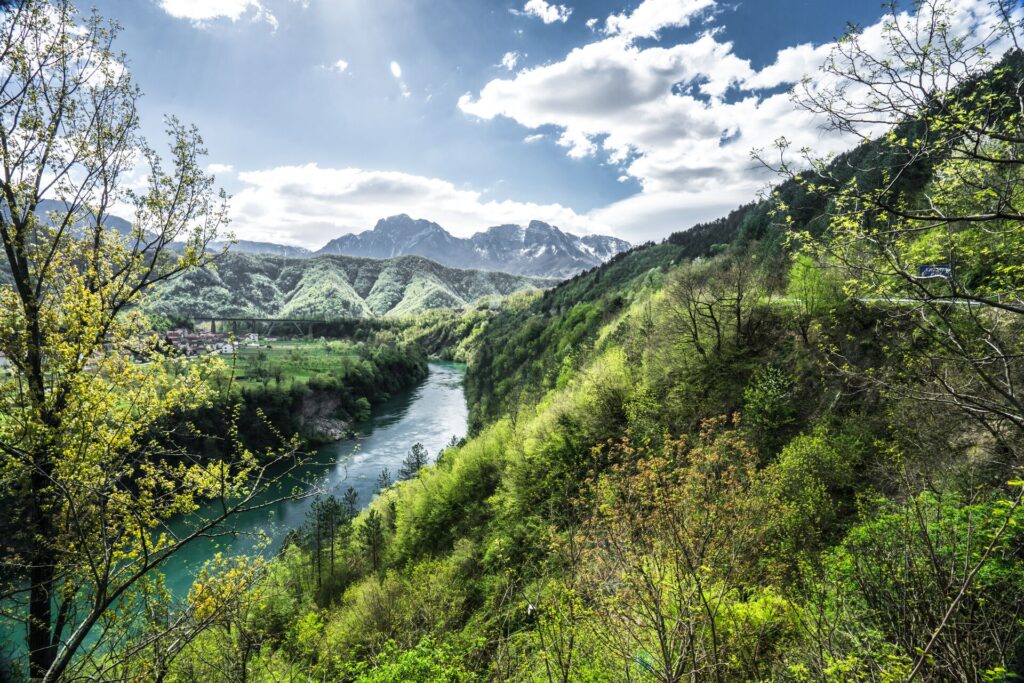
{"points": [[783, 445], [328, 288]]}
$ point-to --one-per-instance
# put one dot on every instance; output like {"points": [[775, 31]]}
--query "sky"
{"points": [[634, 118]]}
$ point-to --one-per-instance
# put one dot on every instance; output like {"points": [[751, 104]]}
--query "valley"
{"points": [[430, 412], [777, 438]]}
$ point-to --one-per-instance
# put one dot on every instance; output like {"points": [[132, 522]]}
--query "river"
{"points": [[431, 413]]}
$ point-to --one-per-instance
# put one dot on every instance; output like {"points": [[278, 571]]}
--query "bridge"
{"points": [[262, 326]]}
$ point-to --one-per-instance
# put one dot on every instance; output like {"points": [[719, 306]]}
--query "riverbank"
{"points": [[432, 413], [319, 391]]}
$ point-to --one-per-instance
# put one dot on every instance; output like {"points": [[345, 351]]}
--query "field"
{"points": [[293, 361]]}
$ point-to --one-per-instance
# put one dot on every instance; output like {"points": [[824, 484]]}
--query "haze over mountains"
{"points": [[263, 279], [401, 266]]}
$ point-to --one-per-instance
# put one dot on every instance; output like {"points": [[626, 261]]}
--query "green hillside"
{"points": [[784, 446], [328, 288], [764, 449]]}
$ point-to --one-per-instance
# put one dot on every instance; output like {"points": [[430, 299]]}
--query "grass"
{"points": [[297, 361]]}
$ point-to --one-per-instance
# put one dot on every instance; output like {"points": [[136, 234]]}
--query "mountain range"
{"points": [[328, 287], [537, 249]]}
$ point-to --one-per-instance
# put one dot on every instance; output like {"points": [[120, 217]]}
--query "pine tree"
{"points": [[350, 504], [384, 479], [371, 534], [414, 461]]}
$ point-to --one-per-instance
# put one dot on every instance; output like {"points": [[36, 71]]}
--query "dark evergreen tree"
{"points": [[350, 504], [384, 480], [371, 535], [414, 461]]}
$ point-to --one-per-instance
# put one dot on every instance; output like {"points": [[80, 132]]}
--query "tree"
{"points": [[322, 522], [260, 368], [223, 607], [716, 307], [813, 290], [371, 535], [78, 466], [944, 260], [929, 228], [350, 503], [560, 611], [883, 594], [669, 550], [427, 661], [769, 409], [414, 461], [384, 479]]}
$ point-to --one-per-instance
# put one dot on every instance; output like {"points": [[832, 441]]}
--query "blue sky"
{"points": [[629, 117]]}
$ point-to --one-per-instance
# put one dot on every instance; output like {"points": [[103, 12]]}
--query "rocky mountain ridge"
{"points": [[537, 249]]}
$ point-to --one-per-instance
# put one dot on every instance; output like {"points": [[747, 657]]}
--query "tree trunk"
{"points": [[42, 643]]}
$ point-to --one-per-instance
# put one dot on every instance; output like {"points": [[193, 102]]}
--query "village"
{"points": [[190, 343], [186, 342]]}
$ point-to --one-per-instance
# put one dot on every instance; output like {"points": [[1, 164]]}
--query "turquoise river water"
{"points": [[430, 413]]}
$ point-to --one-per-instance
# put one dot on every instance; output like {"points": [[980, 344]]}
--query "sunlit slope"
{"points": [[329, 288]]}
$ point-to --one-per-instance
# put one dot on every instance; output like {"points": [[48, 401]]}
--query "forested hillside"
{"points": [[774, 447], [785, 445], [328, 288]]}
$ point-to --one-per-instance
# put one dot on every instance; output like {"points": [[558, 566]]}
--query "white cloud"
{"points": [[338, 67], [611, 96], [220, 169], [652, 216], [547, 12], [201, 12], [396, 69], [592, 23], [578, 143], [536, 137], [510, 59], [651, 16], [680, 119], [791, 64], [310, 205]]}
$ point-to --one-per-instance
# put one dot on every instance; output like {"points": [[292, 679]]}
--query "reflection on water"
{"points": [[431, 414]]}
